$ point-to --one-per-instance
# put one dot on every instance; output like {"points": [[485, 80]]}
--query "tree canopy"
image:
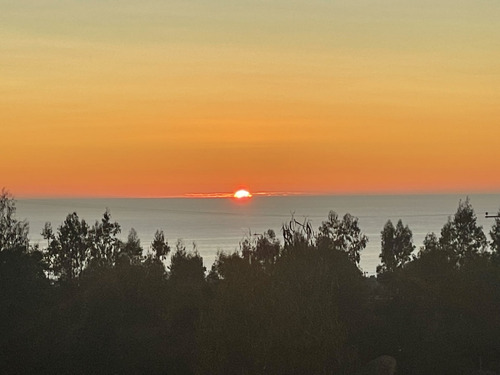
{"points": [[88, 302], [397, 247], [13, 232]]}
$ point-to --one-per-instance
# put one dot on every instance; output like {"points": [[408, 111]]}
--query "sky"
{"points": [[157, 98]]}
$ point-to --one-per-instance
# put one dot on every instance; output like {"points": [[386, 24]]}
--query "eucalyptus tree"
{"points": [[75, 245], [105, 245], [23, 289], [461, 237], [13, 232], [160, 246], [297, 236], [397, 247], [132, 248], [343, 235], [186, 266], [69, 248], [263, 249]]}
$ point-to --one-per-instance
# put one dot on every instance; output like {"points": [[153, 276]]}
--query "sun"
{"points": [[241, 194]]}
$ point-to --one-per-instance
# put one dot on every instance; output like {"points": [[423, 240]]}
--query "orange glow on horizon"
{"points": [[177, 101]]}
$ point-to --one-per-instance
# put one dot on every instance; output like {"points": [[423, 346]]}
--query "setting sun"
{"points": [[242, 194]]}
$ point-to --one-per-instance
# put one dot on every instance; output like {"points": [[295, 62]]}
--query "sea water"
{"points": [[220, 224]]}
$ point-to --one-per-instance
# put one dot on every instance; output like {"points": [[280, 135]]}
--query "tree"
{"points": [[13, 233], [160, 246], [397, 246], [461, 237], [430, 244], [186, 266], [228, 267], [76, 246], [343, 235], [23, 287], [431, 261], [297, 236], [105, 244], [154, 261], [132, 248], [263, 249], [186, 286], [68, 251]]}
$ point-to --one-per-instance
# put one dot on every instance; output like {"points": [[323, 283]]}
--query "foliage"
{"points": [[397, 247], [22, 290], [76, 246], [227, 266], [160, 246], [68, 251], [343, 235], [132, 248], [297, 236], [292, 307], [263, 249], [186, 265], [23, 284], [461, 237], [105, 245], [13, 232]]}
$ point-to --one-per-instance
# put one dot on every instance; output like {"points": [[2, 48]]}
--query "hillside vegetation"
{"points": [[297, 303]]}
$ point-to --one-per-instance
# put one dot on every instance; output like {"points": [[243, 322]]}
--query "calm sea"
{"points": [[220, 224]]}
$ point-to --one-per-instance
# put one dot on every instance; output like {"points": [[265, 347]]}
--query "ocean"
{"points": [[219, 224]]}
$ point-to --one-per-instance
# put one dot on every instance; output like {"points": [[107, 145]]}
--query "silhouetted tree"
{"points": [[76, 246], [105, 245], [437, 318], [237, 312], [263, 249], [154, 261], [297, 236], [315, 300], [187, 291], [23, 288], [13, 232], [24, 292], [397, 246], [223, 267], [132, 248], [343, 235], [69, 249], [461, 237], [309, 304], [160, 246], [186, 265], [432, 261], [430, 244], [297, 308]]}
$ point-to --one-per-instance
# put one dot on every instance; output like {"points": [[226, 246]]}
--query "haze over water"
{"points": [[220, 224]]}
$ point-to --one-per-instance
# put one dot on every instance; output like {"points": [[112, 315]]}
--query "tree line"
{"points": [[88, 302]]}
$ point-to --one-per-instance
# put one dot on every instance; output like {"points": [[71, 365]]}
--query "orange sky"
{"points": [[165, 99]]}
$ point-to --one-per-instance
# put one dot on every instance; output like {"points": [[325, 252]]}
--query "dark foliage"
{"points": [[343, 235], [91, 304], [397, 247]]}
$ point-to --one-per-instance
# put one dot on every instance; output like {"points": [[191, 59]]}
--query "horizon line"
{"points": [[222, 195]]}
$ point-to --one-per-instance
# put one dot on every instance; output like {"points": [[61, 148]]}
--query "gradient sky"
{"points": [[168, 97]]}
